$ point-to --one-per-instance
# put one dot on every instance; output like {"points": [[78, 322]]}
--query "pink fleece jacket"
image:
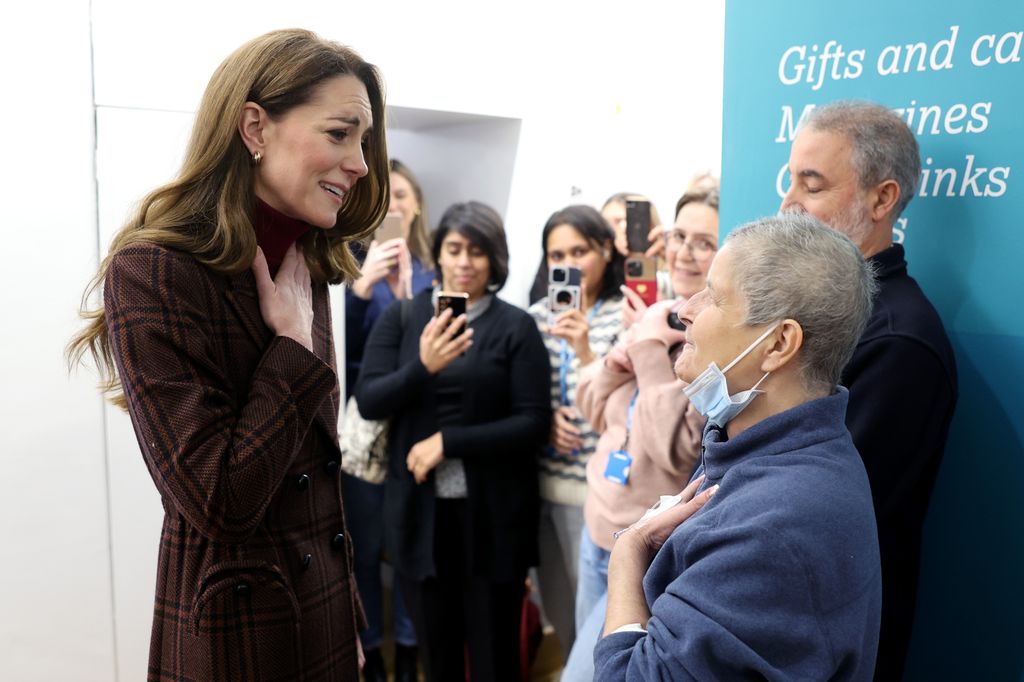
{"points": [[664, 443]]}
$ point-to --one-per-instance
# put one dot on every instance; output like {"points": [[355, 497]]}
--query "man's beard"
{"points": [[854, 220]]}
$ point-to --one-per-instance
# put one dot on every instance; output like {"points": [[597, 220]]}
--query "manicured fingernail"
{"points": [[712, 490]]}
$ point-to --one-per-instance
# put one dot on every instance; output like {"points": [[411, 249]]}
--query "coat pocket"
{"points": [[246, 624]]}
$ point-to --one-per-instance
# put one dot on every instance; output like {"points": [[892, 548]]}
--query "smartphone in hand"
{"points": [[638, 225], [451, 299], [641, 272], [642, 277], [565, 290], [389, 229]]}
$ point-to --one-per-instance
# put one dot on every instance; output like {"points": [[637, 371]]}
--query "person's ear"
{"points": [[784, 344], [882, 199], [252, 123]]}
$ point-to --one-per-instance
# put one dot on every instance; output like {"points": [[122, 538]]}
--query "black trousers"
{"points": [[461, 618]]}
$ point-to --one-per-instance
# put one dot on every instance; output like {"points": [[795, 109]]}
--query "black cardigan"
{"points": [[506, 409]]}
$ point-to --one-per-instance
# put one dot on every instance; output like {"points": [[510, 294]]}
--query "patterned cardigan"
{"points": [[563, 478], [239, 431]]}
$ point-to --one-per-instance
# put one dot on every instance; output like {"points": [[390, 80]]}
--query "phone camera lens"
{"points": [[675, 322]]}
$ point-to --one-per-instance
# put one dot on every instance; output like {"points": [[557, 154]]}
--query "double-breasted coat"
{"points": [[239, 431]]}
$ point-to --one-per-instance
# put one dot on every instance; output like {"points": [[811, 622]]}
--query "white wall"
{"points": [[608, 101], [55, 591]]}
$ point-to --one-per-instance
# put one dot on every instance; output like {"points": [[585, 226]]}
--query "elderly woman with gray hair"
{"points": [[766, 565]]}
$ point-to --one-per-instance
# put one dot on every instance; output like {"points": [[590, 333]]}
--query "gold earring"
{"points": [[256, 158]]}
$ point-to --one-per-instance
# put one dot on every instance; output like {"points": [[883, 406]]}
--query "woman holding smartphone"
{"points": [[396, 266], [468, 397], [650, 432], [574, 237]]}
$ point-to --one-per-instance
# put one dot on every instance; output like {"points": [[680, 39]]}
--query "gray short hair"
{"points": [[884, 147], [794, 266]]}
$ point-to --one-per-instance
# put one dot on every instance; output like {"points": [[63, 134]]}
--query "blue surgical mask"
{"points": [[709, 392]]}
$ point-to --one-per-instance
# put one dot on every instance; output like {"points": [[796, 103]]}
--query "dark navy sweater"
{"points": [[778, 576], [903, 390]]}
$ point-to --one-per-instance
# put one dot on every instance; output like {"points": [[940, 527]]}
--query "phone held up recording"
{"points": [[455, 300], [390, 228], [641, 271], [564, 290]]}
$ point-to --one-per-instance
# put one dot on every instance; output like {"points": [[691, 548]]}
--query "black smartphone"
{"points": [[451, 299], [638, 225]]}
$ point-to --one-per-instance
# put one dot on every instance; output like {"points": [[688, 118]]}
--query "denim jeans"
{"points": [[364, 514], [559, 544], [591, 604]]}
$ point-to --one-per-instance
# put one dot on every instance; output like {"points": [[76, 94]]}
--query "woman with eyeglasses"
{"points": [[650, 433]]}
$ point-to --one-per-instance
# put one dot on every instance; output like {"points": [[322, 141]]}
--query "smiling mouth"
{"points": [[336, 192]]}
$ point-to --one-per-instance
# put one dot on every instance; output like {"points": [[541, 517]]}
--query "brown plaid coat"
{"points": [[239, 431]]}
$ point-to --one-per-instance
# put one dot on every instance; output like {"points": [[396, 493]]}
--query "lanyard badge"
{"points": [[620, 461]]}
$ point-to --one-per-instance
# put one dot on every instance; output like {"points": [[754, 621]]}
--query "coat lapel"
{"points": [[244, 300]]}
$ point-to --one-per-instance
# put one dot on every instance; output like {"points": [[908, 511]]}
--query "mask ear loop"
{"points": [[750, 348], [760, 381]]}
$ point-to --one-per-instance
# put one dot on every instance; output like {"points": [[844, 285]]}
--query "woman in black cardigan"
{"points": [[469, 401]]}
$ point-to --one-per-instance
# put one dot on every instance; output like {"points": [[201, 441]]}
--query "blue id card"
{"points": [[617, 469]]}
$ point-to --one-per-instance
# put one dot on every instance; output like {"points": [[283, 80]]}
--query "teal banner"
{"points": [[954, 72]]}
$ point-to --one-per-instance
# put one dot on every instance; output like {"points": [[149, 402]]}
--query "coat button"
{"points": [[307, 560], [242, 589], [332, 467], [302, 482], [339, 541]]}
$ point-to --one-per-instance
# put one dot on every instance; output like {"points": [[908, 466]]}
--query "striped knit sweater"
{"points": [[563, 478]]}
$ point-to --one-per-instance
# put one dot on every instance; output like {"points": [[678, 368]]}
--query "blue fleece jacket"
{"points": [[778, 575]]}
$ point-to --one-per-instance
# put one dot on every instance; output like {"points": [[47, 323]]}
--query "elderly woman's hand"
{"points": [[633, 552], [646, 536]]}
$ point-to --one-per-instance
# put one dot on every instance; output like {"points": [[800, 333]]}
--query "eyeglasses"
{"points": [[700, 247]]}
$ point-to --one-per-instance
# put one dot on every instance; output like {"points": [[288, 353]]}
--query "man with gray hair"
{"points": [[777, 573], [855, 165]]}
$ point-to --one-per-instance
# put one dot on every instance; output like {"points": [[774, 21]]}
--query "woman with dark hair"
{"points": [[393, 269], [576, 236], [215, 335], [468, 400]]}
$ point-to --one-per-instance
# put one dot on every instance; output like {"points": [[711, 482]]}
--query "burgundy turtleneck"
{"points": [[275, 232]]}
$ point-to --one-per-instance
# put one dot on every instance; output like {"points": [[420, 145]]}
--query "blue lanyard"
{"points": [[565, 357], [629, 419]]}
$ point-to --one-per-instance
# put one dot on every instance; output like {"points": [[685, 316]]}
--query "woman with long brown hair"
{"points": [[215, 334]]}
